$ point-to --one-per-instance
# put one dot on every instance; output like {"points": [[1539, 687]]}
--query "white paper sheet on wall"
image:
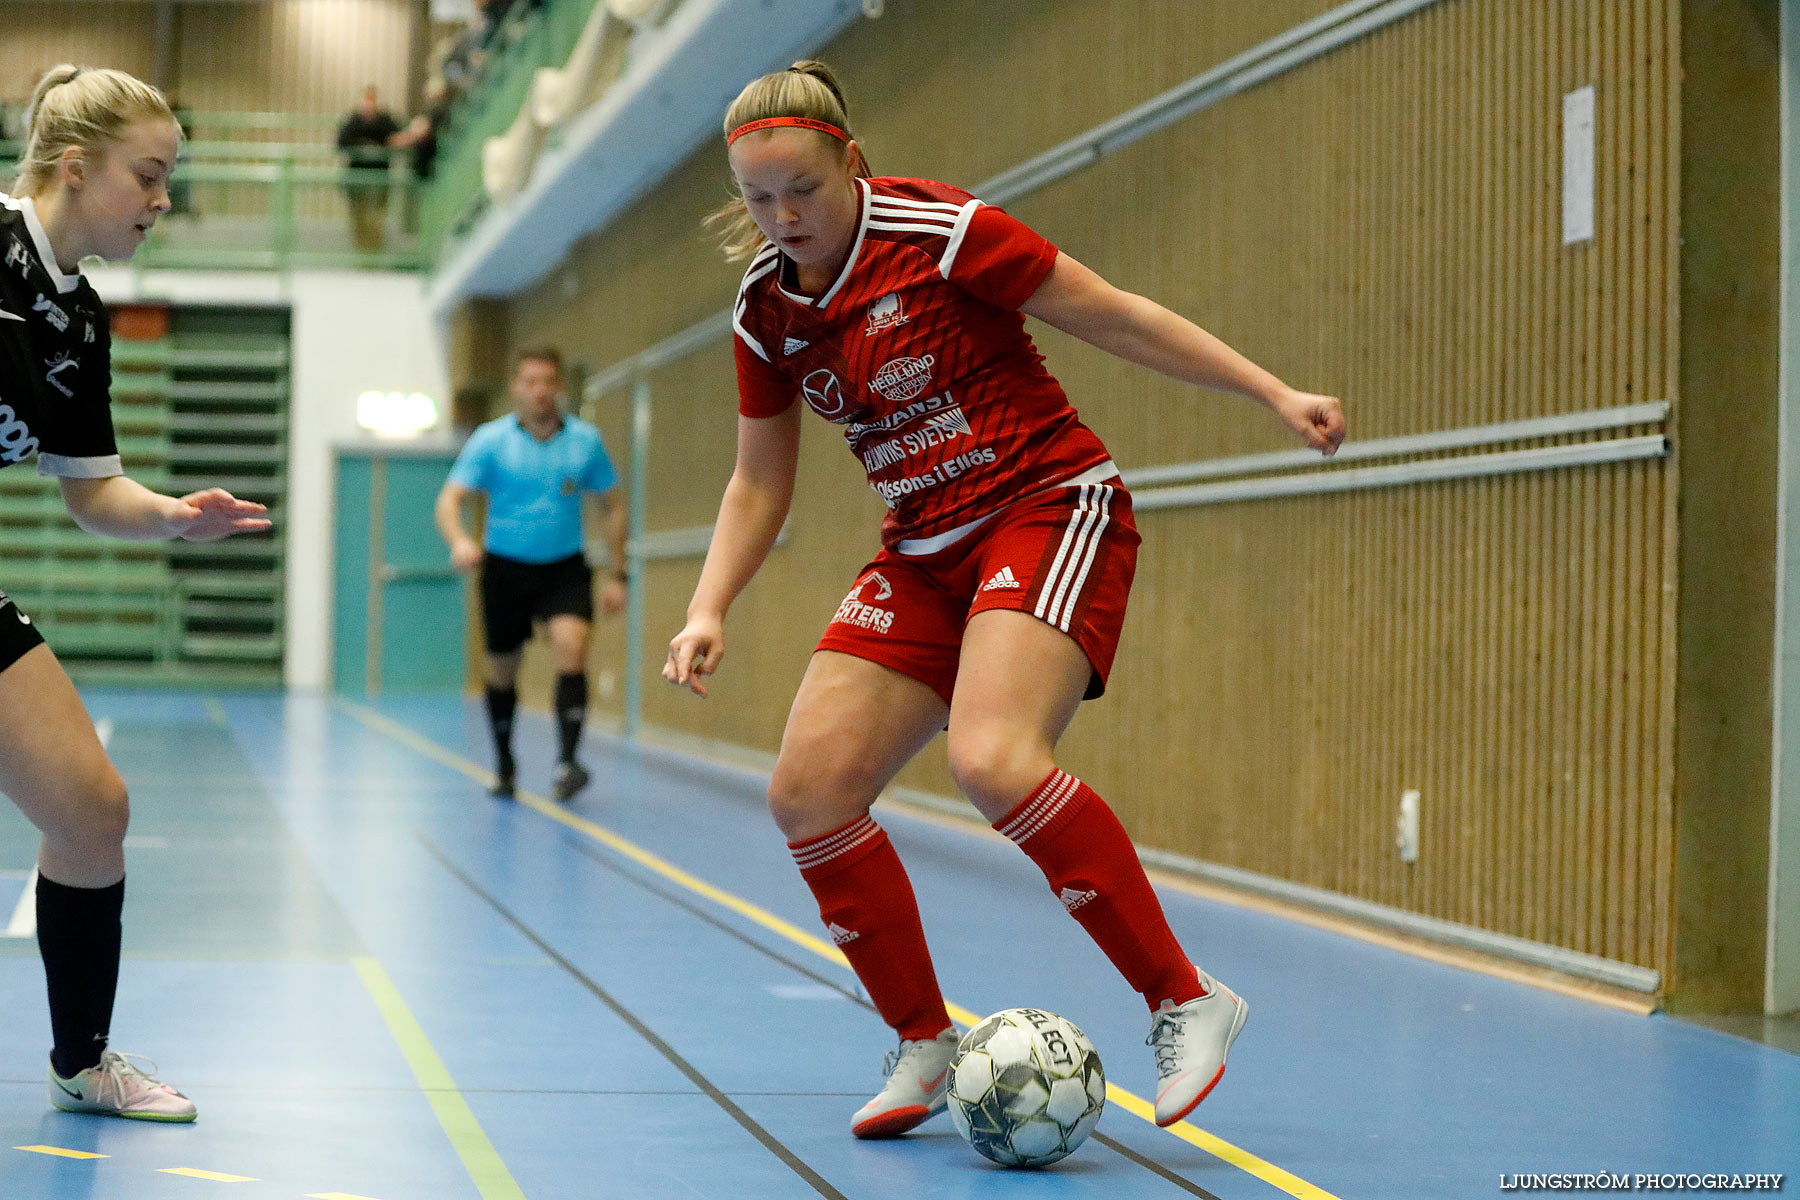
{"points": [[1578, 166]]}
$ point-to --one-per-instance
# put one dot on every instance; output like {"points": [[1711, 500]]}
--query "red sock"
{"points": [[866, 901], [1087, 856]]}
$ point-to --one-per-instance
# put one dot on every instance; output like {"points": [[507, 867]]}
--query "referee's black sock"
{"points": [[571, 712], [78, 937], [500, 705]]}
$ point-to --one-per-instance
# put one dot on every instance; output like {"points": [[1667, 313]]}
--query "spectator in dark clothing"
{"points": [[365, 138], [181, 192]]}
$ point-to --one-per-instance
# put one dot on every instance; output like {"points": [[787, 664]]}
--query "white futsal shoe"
{"points": [[1191, 1042], [118, 1087], [917, 1088]]}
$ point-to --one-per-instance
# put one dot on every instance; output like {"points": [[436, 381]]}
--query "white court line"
{"points": [[24, 915]]}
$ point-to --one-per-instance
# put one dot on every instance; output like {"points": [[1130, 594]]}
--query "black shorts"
{"points": [[17, 633], [514, 594]]}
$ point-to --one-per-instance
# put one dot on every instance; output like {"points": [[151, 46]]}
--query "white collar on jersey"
{"points": [[862, 228], [41, 242]]}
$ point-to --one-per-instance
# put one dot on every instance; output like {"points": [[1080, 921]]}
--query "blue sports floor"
{"points": [[379, 984]]}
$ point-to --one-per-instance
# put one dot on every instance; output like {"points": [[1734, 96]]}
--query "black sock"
{"points": [[500, 705], [78, 932], [571, 712]]}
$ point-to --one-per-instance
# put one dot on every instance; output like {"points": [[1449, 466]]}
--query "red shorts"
{"points": [[1065, 555]]}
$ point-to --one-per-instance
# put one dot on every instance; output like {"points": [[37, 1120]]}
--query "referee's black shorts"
{"points": [[17, 633], [514, 594]]}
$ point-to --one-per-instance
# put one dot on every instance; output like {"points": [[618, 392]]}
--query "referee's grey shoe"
{"points": [[570, 778]]}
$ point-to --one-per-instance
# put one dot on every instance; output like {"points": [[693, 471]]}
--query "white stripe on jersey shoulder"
{"points": [[881, 205], [944, 221], [737, 326], [903, 202], [766, 260], [942, 231], [963, 217], [41, 243]]}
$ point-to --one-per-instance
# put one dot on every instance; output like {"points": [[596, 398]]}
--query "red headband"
{"points": [[777, 122]]}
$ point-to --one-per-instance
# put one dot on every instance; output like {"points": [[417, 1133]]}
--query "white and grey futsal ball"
{"points": [[1026, 1087]]}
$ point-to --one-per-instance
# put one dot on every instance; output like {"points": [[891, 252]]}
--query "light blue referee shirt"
{"points": [[534, 488]]}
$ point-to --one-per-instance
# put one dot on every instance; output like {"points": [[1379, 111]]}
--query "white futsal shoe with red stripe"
{"points": [[1191, 1042], [118, 1087], [917, 1089]]}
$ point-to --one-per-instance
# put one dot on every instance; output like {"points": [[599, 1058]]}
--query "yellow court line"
{"points": [[215, 1176], [60, 1152], [484, 1164], [1238, 1157]]}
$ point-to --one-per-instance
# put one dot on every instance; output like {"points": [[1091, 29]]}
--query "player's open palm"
{"points": [[215, 513], [694, 653]]}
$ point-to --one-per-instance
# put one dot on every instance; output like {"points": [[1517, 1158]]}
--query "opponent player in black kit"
{"points": [[95, 177]]}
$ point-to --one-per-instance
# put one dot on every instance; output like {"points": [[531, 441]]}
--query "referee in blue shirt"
{"points": [[537, 466]]}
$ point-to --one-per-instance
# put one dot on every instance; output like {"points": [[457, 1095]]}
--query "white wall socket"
{"points": [[1406, 827]]}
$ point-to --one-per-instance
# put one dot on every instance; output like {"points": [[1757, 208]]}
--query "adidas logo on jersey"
{"points": [[1003, 578], [840, 935], [1074, 898], [794, 346]]}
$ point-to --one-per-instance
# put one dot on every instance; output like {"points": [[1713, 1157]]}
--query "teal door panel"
{"points": [[400, 622], [350, 603]]}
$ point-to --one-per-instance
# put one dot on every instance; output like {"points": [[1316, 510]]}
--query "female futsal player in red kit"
{"points": [[892, 306]]}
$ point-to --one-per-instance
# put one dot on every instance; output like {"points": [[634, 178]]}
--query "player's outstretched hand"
{"points": [[1318, 419], [694, 653], [213, 514], [613, 597]]}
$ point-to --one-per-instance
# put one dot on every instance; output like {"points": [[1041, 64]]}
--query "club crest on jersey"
{"points": [[901, 379], [18, 256], [53, 313], [885, 313]]}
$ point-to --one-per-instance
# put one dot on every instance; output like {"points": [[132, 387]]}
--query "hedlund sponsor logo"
{"points": [[903, 378]]}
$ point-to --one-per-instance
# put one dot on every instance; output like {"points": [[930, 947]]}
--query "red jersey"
{"points": [[918, 350]]}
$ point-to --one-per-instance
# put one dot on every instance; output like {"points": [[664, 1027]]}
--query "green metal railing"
{"points": [[456, 197], [250, 203]]}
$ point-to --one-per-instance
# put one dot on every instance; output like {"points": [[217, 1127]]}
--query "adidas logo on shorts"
{"points": [[794, 346], [1074, 898], [840, 935], [1003, 578]]}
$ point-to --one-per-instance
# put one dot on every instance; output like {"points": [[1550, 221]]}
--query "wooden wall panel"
{"points": [[294, 56], [40, 35], [1384, 223]]}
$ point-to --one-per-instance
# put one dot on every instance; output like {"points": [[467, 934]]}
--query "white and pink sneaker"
{"points": [[1191, 1042], [118, 1087], [917, 1088]]}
